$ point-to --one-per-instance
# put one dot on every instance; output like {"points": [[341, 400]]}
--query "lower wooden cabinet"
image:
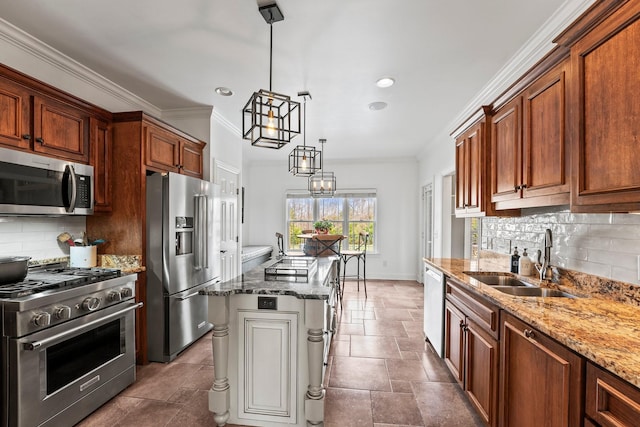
{"points": [[472, 351], [541, 380], [610, 401]]}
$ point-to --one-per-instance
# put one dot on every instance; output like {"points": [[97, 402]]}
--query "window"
{"points": [[351, 212]]}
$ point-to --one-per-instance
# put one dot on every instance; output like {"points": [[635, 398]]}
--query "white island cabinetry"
{"points": [[270, 343]]}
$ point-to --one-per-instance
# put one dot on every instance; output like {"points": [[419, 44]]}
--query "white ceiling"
{"points": [[175, 53]]}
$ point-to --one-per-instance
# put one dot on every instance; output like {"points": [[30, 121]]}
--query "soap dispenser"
{"points": [[515, 260], [525, 264]]}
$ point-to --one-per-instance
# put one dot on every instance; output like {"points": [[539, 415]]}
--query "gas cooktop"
{"points": [[49, 277]]}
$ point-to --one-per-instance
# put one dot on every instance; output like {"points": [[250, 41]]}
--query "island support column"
{"points": [[314, 398], [220, 392]]}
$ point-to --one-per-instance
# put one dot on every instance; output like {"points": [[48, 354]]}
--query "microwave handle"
{"points": [[74, 188], [201, 232]]}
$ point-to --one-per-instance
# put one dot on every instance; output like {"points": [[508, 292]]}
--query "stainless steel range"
{"points": [[68, 343]]}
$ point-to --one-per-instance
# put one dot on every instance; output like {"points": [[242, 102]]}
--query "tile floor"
{"points": [[381, 373]]}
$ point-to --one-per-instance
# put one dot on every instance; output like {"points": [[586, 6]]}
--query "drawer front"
{"points": [[610, 400], [475, 306]]}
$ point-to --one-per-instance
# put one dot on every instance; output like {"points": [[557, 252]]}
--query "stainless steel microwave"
{"points": [[37, 185]]}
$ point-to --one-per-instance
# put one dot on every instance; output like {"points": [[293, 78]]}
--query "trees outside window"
{"points": [[350, 213]]}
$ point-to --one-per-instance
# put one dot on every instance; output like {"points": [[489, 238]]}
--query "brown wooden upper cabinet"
{"points": [[469, 170], [163, 148], [60, 130], [168, 152], [529, 159], [605, 132], [15, 115]]}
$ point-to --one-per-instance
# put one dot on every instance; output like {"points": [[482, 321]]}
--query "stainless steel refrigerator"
{"points": [[183, 257]]}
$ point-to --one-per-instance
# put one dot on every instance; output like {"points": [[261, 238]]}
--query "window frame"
{"points": [[345, 195]]}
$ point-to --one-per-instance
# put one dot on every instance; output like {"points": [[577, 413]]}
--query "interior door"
{"points": [[228, 178]]}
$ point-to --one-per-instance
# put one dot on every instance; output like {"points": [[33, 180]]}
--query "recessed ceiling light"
{"points": [[385, 82], [378, 105], [224, 91]]}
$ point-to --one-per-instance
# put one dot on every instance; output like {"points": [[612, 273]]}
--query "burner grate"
{"points": [[40, 280]]}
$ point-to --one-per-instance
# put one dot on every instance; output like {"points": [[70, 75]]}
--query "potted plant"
{"points": [[323, 226]]}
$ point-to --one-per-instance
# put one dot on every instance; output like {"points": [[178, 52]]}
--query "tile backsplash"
{"points": [[37, 237], [606, 245]]}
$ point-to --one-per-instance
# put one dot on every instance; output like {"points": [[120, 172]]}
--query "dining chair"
{"points": [[360, 254]]}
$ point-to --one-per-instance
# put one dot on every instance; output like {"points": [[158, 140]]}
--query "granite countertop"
{"points": [[125, 263], [604, 331], [254, 282]]}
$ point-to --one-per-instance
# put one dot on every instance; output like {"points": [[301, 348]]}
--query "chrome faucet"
{"points": [[544, 267]]}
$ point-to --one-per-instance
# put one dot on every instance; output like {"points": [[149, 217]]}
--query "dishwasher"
{"points": [[434, 308]]}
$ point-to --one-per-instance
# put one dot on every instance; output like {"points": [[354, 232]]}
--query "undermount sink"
{"points": [[509, 284], [499, 280], [533, 292]]}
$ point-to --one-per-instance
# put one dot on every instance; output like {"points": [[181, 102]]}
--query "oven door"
{"points": [[62, 374]]}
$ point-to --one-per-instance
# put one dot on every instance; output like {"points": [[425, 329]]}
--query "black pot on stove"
{"points": [[13, 269]]}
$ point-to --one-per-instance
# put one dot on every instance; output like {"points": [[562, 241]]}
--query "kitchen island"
{"points": [[270, 343]]}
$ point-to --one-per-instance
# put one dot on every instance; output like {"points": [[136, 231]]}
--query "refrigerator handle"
{"points": [[201, 230]]}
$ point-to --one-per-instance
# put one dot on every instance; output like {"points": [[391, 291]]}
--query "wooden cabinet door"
{"points": [[541, 380], [101, 158], [469, 170], [162, 149], [15, 115], [481, 372], [609, 400], [267, 366], [454, 340], [60, 130], [506, 152], [544, 154], [190, 159], [605, 135]]}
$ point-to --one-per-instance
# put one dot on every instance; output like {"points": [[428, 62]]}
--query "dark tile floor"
{"points": [[381, 373]]}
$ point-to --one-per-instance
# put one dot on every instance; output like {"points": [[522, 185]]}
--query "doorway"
{"points": [[228, 179]]}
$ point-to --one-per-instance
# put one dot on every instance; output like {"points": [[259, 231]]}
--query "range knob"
{"points": [[62, 313], [125, 292], [41, 319], [114, 296], [91, 303]]}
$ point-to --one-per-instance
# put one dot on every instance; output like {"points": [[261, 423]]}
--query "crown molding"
{"points": [[203, 112], [41, 51], [226, 123], [526, 57]]}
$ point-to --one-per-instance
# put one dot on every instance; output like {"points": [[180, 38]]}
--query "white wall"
{"points": [[398, 200]]}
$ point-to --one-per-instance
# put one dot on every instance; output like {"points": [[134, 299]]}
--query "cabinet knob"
{"points": [[516, 188], [529, 333], [462, 323], [26, 136], [523, 186], [40, 140]]}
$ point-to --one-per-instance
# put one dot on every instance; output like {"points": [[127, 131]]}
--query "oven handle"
{"points": [[37, 344]]}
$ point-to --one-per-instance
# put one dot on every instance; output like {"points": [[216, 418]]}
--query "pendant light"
{"points": [[270, 119], [305, 160], [322, 184]]}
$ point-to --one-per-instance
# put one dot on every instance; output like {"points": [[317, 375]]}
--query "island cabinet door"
{"points": [[267, 366]]}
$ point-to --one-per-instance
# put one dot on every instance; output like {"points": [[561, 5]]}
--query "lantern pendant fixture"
{"points": [[270, 119], [322, 184], [305, 160]]}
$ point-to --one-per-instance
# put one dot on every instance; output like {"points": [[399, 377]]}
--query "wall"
{"points": [[398, 200], [37, 237], [606, 245]]}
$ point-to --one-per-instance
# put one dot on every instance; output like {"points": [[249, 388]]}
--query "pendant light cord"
{"points": [[270, 54], [304, 129]]}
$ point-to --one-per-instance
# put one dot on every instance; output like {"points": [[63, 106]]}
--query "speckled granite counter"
{"points": [[126, 263], [602, 330], [253, 282]]}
